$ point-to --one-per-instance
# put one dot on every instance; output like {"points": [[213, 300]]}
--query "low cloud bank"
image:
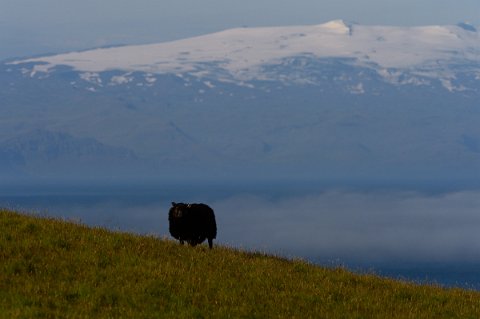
{"points": [[359, 227], [347, 226]]}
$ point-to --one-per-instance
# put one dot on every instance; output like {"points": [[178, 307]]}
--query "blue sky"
{"points": [[29, 27]]}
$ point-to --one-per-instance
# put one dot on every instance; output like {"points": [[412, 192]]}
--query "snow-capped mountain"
{"points": [[335, 99], [245, 54]]}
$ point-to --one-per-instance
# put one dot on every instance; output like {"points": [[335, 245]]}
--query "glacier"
{"points": [[240, 53]]}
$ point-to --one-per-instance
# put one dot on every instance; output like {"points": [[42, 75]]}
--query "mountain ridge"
{"points": [[305, 114]]}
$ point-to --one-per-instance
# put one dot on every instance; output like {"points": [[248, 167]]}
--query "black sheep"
{"points": [[192, 223]]}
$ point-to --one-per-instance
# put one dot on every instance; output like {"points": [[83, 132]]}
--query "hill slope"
{"points": [[51, 268]]}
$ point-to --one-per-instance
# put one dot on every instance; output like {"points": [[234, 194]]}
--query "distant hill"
{"points": [[42, 152]]}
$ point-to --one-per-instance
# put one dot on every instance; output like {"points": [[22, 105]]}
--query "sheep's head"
{"points": [[177, 209]]}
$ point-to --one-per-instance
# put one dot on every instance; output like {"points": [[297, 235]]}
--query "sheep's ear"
{"points": [[174, 204]]}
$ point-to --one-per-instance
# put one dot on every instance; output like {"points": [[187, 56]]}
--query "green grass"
{"points": [[55, 269]]}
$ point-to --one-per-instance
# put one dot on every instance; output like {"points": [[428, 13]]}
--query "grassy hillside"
{"points": [[56, 269]]}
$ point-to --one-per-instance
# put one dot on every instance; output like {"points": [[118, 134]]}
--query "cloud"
{"points": [[359, 227], [364, 227]]}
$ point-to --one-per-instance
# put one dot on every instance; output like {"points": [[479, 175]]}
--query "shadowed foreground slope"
{"points": [[51, 268]]}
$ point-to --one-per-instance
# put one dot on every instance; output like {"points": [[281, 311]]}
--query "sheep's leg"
{"points": [[210, 243], [181, 242]]}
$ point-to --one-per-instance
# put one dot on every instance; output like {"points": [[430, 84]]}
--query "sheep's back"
{"points": [[205, 218]]}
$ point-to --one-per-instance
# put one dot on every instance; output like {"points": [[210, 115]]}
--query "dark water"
{"points": [[424, 235]]}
